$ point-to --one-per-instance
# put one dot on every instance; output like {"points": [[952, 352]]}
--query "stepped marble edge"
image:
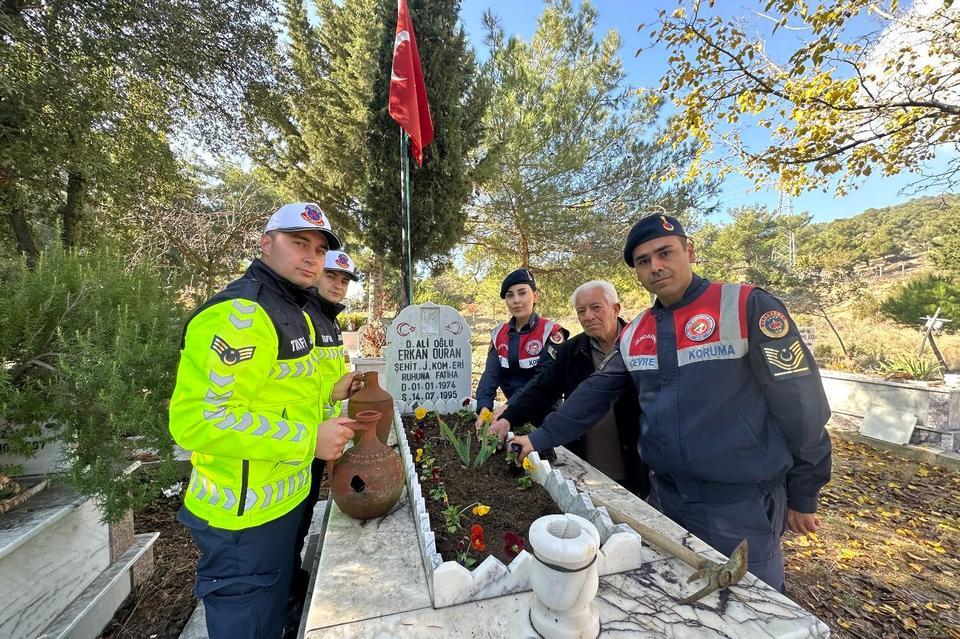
{"points": [[92, 610], [55, 546], [450, 583]]}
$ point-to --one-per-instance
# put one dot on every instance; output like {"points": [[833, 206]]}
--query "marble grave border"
{"points": [[450, 583]]}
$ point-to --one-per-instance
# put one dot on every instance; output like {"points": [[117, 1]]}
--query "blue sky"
{"points": [[519, 18]]}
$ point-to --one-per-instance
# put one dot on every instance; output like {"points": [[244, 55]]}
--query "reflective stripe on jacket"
{"points": [[514, 356], [531, 343]]}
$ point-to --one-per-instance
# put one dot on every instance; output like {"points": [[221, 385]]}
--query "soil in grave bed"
{"points": [[493, 484]]}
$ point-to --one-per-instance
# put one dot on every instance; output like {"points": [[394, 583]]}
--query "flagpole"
{"points": [[405, 216]]}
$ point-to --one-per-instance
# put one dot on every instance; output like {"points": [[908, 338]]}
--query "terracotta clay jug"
{"points": [[367, 480], [373, 397]]}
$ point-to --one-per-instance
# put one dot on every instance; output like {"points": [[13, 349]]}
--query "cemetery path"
{"points": [[886, 562]]}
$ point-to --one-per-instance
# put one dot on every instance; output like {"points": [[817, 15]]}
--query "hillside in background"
{"points": [[909, 229], [889, 248]]}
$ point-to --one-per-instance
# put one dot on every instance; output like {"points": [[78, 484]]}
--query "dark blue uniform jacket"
{"points": [[511, 369], [729, 395], [573, 363]]}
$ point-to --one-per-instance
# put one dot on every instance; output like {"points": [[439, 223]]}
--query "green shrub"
{"points": [[921, 297], [913, 367], [946, 253], [91, 346], [357, 319]]}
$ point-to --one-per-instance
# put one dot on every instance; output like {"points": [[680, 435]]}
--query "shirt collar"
{"points": [[526, 327], [329, 309], [592, 343], [263, 273], [697, 286]]}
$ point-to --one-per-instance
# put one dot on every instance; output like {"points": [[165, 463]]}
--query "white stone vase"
{"points": [[564, 577]]}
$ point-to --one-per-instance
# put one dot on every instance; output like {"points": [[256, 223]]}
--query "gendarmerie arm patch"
{"points": [[228, 354], [557, 337], [774, 324], [786, 358]]}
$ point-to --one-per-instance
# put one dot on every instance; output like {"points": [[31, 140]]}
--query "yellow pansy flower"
{"points": [[480, 510], [419, 454], [528, 465], [420, 412], [485, 414]]}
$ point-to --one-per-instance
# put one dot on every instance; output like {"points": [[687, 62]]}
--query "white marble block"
{"points": [[888, 424], [50, 552]]}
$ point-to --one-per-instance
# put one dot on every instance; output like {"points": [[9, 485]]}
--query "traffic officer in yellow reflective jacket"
{"points": [[323, 306], [732, 406], [248, 402]]}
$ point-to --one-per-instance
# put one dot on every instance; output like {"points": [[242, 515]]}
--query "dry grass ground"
{"points": [[871, 341], [886, 562]]}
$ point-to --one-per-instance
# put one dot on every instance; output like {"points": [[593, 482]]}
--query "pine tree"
{"points": [[441, 188], [321, 126], [577, 161]]}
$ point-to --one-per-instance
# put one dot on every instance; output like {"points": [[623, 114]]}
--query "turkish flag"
{"points": [[408, 94]]}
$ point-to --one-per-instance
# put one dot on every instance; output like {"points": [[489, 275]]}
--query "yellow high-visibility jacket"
{"points": [[248, 400]]}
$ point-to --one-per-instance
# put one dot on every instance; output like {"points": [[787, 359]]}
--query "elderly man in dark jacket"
{"points": [[611, 445]]}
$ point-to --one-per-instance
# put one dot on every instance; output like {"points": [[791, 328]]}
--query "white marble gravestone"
{"points": [[888, 424], [428, 358], [47, 453]]}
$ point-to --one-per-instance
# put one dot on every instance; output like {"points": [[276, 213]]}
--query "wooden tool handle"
{"points": [[658, 539]]}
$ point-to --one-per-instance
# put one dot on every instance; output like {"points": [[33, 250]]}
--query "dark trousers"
{"points": [[724, 525], [300, 579], [243, 576]]}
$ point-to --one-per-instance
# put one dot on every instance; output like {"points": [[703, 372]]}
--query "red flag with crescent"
{"points": [[408, 94]]}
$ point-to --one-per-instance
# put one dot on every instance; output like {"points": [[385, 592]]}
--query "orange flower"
{"points": [[476, 538]]}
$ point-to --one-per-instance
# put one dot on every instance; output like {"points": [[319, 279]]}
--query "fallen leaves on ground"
{"points": [[886, 562]]}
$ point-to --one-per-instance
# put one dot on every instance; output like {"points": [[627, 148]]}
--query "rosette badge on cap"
{"points": [[648, 228], [519, 276], [303, 216], [340, 261]]}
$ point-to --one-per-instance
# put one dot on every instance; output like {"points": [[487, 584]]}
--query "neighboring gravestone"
{"points": [[888, 424], [808, 334], [48, 455], [428, 358]]}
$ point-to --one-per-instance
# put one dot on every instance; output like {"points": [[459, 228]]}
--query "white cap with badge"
{"points": [[340, 261], [303, 216]]}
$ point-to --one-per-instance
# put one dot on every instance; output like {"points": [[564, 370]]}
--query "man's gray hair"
{"points": [[609, 291]]}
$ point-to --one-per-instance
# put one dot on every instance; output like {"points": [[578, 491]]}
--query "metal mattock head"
{"points": [[720, 576]]}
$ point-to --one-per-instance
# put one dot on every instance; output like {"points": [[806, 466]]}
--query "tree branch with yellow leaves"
{"points": [[869, 86]]}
